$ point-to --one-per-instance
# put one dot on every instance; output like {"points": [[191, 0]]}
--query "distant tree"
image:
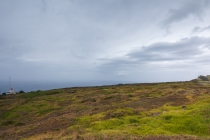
{"points": [[21, 91], [4, 93]]}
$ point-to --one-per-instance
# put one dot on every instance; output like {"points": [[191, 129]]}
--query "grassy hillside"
{"points": [[179, 110]]}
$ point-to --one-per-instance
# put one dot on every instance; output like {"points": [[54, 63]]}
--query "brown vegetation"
{"points": [[54, 114]]}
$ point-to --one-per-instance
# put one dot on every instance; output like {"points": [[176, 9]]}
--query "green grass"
{"points": [[38, 94], [114, 112], [173, 121]]}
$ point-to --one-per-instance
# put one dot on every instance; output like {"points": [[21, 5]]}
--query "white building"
{"points": [[11, 91]]}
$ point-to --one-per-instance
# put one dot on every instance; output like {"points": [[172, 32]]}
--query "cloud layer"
{"points": [[195, 9], [186, 50], [103, 40]]}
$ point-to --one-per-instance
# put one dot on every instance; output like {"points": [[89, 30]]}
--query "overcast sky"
{"points": [[116, 40]]}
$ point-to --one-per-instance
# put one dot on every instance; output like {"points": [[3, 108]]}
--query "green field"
{"points": [[165, 111]]}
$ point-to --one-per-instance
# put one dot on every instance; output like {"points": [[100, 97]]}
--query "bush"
{"points": [[204, 78], [21, 91]]}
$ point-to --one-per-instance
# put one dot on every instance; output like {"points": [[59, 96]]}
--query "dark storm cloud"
{"points": [[186, 49], [191, 8], [200, 29]]}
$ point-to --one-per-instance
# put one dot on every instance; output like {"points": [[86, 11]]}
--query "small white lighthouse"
{"points": [[11, 91]]}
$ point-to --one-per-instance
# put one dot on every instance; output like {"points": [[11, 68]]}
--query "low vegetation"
{"points": [[165, 111]]}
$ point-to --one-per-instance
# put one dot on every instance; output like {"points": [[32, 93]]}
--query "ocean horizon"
{"points": [[28, 86]]}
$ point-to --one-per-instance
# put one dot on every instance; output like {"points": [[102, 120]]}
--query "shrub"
{"points": [[21, 91]]}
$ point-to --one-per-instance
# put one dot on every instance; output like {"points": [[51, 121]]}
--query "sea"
{"points": [[28, 86]]}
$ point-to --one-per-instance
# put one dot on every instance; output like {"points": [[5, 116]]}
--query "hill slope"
{"points": [[179, 110]]}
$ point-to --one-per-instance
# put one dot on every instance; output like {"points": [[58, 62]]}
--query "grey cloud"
{"points": [[44, 5], [185, 50], [164, 51], [191, 8], [200, 29], [51, 37], [85, 27], [12, 49]]}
